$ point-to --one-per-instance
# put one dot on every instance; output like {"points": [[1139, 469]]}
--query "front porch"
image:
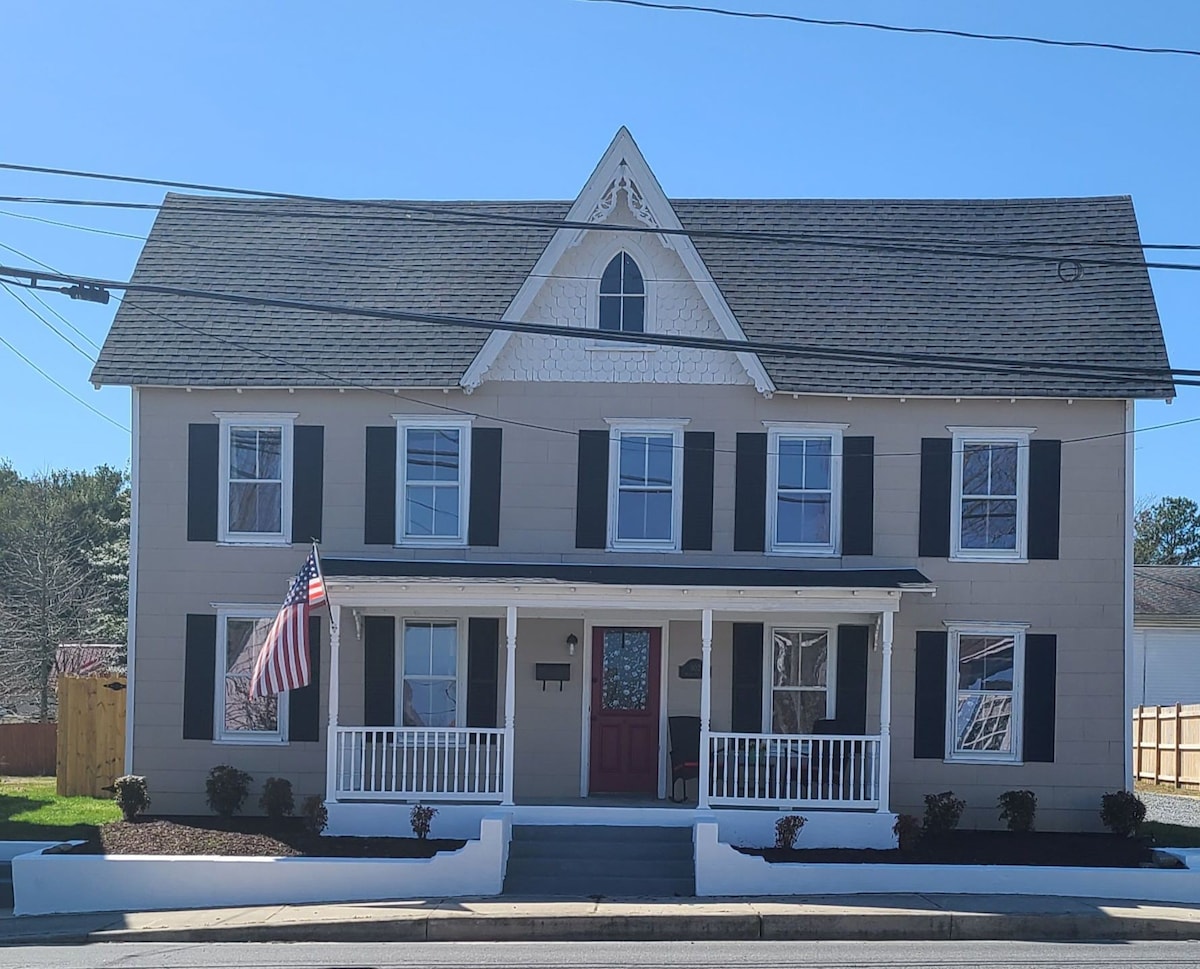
{"points": [[559, 728]]}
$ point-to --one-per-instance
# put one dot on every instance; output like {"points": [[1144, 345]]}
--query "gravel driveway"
{"points": [[1172, 809]]}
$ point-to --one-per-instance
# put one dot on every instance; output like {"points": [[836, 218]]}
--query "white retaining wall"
{"points": [[723, 870], [95, 883]]}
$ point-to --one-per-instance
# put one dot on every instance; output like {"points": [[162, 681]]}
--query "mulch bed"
{"points": [[984, 848], [248, 836]]}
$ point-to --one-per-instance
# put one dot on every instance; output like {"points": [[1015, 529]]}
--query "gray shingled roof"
{"points": [[1166, 590], [814, 293]]}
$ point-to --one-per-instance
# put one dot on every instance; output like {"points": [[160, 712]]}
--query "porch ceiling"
{"points": [[378, 581]]}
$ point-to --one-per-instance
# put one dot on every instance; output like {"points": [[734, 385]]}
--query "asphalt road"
{"points": [[553, 955]]}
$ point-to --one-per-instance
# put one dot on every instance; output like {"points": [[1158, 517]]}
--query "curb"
{"points": [[935, 926]]}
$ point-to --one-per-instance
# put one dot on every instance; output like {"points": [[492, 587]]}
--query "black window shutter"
{"points": [[379, 505], [591, 491], [698, 447], [308, 482], [858, 496], [853, 645], [483, 671], [379, 671], [1041, 671], [204, 450], [750, 493], [199, 676], [1045, 498], [747, 677], [934, 541], [304, 705], [484, 520], [929, 715]]}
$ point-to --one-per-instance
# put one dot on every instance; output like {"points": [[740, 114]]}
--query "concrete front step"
{"points": [[582, 861], [591, 886]]}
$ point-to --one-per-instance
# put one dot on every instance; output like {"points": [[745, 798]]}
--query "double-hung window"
{"points": [[430, 661], [798, 687], [990, 493], [256, 479], [804, 468], [433, 465], [645, 489], [984, 684], [239, 719]]}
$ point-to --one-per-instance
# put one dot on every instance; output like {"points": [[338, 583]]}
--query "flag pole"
{"points": [[324, 585]]}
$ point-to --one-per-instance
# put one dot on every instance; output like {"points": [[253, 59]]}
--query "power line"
{"points": [[513, 422], [898, 29], [77, 399], [50, 326], [83, 336], [445, 212], [933, 361]]}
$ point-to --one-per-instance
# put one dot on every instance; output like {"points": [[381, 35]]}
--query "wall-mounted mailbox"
{"points": [[691, 670], [559, 673]]}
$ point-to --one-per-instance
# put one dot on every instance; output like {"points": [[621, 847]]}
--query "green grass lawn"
{"points": [[30, 810], [1172, 835]]}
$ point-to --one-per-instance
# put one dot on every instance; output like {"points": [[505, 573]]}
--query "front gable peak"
{"points": [[623, 200]]}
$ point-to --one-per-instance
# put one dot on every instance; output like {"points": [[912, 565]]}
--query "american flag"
{"points": [[283, 662]]}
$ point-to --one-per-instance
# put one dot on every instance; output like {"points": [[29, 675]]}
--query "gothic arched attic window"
{"points": [[622, 296]]}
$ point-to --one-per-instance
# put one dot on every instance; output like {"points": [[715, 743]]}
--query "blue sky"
{"points": [[518, 100]]}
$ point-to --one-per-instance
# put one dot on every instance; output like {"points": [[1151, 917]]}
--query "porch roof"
{"points": [[655, 576]]}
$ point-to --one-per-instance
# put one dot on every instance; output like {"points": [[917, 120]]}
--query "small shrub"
{"points": [[132, 795], [277, 800], [907, 830], [316, 817], [1122, 813], [421, 818], [226, 789], [1017, 809], [942, 812], [787, 830]]}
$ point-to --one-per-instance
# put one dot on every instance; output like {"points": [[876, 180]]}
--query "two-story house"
{"points": [[881, 551]]}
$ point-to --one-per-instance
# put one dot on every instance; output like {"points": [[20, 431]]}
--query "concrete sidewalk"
{"points": [[867, 917]]}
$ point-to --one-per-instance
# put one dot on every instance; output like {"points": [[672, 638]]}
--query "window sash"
{"points": [[982, 718], [989, 518], [255, 502], [428, 677], [625, 512], [233, 686], [784, 497], [442, 501]]}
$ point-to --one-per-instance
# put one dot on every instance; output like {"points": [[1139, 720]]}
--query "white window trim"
{"points": [[954, 632], [460, 669], [285, 422], [786, 429], [592, 313], [406, 422], [240, 738], [989, 435], [619, 426]]}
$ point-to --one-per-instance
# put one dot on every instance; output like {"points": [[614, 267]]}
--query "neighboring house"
{"points": [[1165, 661], [868, 580]]}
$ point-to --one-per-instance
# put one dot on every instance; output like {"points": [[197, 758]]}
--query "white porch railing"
{"points": [[445, 763], [801, 770]]}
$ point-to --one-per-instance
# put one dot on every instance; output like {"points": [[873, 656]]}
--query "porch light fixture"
{"points": [[572, 642]]}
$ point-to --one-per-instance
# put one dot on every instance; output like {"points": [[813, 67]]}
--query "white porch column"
{"points": [[510, 704], [335, 644], [705, 703], [885, 715]]}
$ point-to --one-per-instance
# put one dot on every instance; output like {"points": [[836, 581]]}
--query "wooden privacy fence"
{"points": [[1166, 744], [91, 734], [27, 749]]}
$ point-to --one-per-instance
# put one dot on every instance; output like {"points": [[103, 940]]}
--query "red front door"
{"points": [[625, 680]]}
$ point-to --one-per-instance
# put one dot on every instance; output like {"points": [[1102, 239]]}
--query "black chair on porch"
{"points": [[685, 753]]}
